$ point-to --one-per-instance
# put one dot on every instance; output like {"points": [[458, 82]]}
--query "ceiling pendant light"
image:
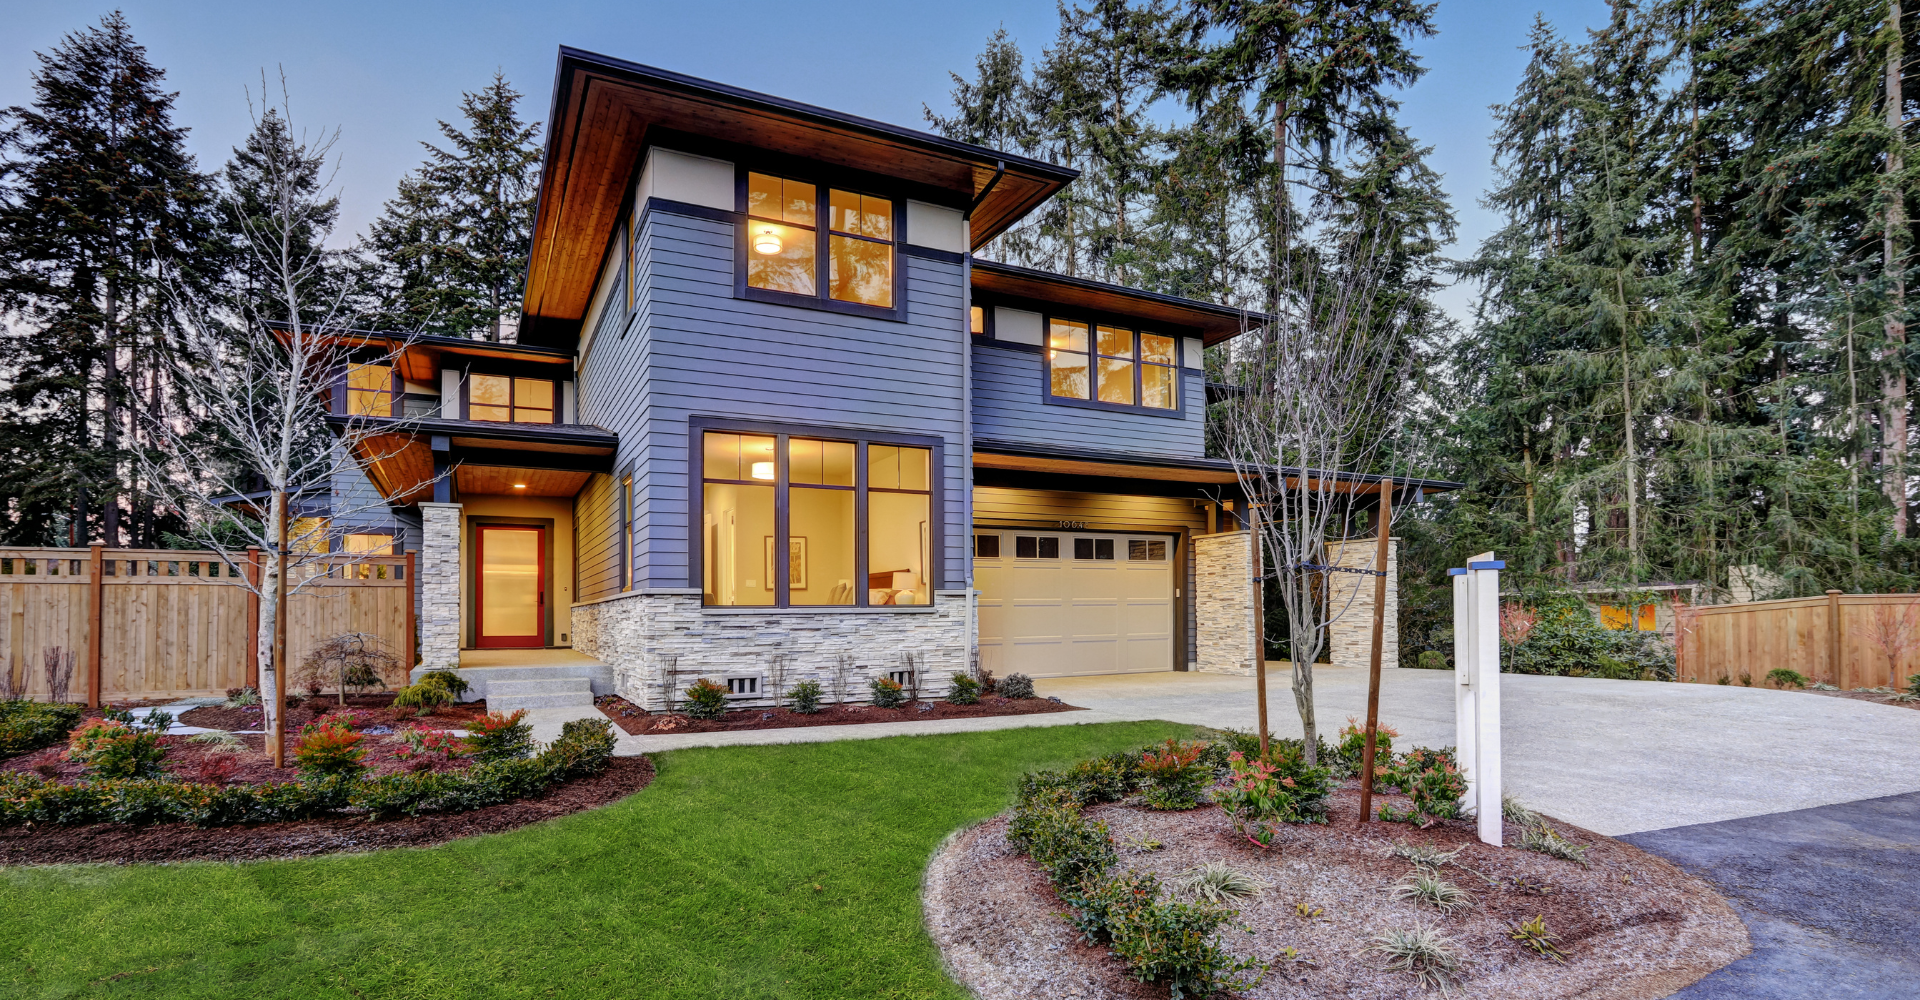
{"points": [[763, 470], [766, 242]]}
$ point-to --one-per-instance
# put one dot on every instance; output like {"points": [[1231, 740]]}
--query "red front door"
{"points": [[510, 602]]}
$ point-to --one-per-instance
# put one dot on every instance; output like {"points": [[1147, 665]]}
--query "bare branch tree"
{"points": [[1310, 401], [1894, 631], [252, 381]]}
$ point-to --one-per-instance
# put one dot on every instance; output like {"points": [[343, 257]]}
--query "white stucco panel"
{"points": [[937, 227], [1193, 355], [1017, 326], [684, 177]]}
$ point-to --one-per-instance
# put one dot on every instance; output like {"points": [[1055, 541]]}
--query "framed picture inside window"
{"points": [[796, 562]]}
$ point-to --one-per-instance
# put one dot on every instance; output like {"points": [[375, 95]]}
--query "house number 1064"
{"points": [[1072, 525]]}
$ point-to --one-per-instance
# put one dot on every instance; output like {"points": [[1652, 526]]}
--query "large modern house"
{"points": [[765, 402]]}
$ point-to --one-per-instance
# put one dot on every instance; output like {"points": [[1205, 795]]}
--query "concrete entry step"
{"points": [[551, 692], [485, 669]]}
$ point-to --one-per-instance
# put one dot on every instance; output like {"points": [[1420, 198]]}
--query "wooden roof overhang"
{"points": [[484, 457], [420, 357], [1205, 472], [606, 110], [1170, 313]]}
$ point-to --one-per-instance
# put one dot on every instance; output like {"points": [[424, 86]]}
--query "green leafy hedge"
{"points": [[1568, 640], [26, 726], [584, 747]]}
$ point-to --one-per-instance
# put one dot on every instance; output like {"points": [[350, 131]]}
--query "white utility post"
{"points": [[1476, 668]]}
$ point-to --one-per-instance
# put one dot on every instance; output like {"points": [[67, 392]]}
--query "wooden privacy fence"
{"points": [[1842, 639], [170, 623]]}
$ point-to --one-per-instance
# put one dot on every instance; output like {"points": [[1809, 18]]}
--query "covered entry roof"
{"points": [[1027, 458], [607, 110]]}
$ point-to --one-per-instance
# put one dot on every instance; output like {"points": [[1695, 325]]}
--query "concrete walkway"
{"points": [[1616, 757]]}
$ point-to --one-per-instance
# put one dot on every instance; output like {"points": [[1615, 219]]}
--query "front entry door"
{"points": [[512, 591]]}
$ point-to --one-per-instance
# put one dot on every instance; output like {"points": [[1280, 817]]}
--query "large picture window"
{"points": [[794, 520], [370, 390], [839, 248], [502, 399], [1114, 365]]}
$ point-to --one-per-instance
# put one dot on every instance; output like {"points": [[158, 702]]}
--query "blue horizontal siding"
{"points": [[692, 349], [1008, 387]]}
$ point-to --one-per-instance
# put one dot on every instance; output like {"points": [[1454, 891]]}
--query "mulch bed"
{"points": [[637, 721], [1872, 696], [1631, 925], [302, 711], [120, 844], [190, 760]]}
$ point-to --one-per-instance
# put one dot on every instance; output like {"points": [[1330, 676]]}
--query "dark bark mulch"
{"points": [[1863, 694], [302, 711], [190, 760], [116, 843], [637, 721]]}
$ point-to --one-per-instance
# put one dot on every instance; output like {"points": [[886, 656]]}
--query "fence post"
{"points": [[96, 635], [412, 613], [1835, 644], [253, 619]]}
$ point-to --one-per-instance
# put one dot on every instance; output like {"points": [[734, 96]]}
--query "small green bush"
{"points": [[1433, 781], [26, 726], [1259, 795], [452, 682], [112, 749], [1174, 777], [1547, 841], [1913, 685], [499, 736], [1171, 943], [964, 690], [1431, 659], [329, 749], [1567, 639], [1051, 830], [1015, 686], [806, 697], [705, 700], [423, 697], [1781, 677], [1105, 779], [887, 693]]}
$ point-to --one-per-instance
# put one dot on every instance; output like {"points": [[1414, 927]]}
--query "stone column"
{"points": [[1350, 595], [1223, 604], [439, 568]]}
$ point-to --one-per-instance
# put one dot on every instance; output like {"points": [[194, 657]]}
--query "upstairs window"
{"points": [[503, 399], [370, 390], [1112, 365], [838, 249]]}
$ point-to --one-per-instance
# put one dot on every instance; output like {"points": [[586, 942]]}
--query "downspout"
{"points": [[966, 417]]}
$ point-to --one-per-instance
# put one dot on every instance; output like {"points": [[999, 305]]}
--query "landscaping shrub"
{"points": [[887, 693], [420, 743], [806, 697], [424, 697], [328, 749], [1105, 779], [1016, 686], [1259, 795], [1781, 677], [215, 769], [1428, 955], [243, 696], [1567, 639], [1051, 830], [26, 726], [705, 700], [448, 681], [1353, 743], [1219, 882], [584, 747], [1174, 777], [1432, 659], [112, 749], [500, 737], [1433, 781], [964, 690]]}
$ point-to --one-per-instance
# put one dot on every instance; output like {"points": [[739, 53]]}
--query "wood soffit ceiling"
{"points": [[1212, 323], [477, 479], [602, 112]]}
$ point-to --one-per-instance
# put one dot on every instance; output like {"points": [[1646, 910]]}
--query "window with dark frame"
{"points": [[370, 390], [510, 399], [1036, 547], [986, 546], [840, 248], [1113, 365], [797, 520]]}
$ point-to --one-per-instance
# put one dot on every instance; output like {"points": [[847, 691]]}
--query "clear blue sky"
{"points": [[385, 72]]}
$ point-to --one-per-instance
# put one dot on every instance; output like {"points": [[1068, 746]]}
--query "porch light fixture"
{"points": [[767, 241], [519, 486], [763, 470]]}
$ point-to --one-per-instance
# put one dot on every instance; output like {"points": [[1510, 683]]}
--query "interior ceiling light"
{"points": [[763, 470], [519, 486], [767, 242]]}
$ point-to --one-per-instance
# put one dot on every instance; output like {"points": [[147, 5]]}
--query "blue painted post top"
{"points": [[1490, 564], [1456, 572]]}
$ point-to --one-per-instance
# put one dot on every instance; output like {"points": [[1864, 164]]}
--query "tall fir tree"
{"points": [[101, 208]]}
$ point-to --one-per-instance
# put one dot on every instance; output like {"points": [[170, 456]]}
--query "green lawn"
{"points": [[704, 885]]}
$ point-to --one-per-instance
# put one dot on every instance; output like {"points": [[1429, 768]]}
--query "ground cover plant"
{"points": [[29, 725], [807, 705], [789, 871]]}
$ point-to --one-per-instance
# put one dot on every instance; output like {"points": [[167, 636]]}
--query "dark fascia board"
{"points": [[1207, 464], [458, 345], [577, 435], [1216, 323], [711, 90]]}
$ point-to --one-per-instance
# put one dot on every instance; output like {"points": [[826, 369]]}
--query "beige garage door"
{"points": [[1054, 604]]}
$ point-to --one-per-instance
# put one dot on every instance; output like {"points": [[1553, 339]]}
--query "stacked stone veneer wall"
{"points": [[439, 569], [1350, 637], [1223, 604], [645, 634]]}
